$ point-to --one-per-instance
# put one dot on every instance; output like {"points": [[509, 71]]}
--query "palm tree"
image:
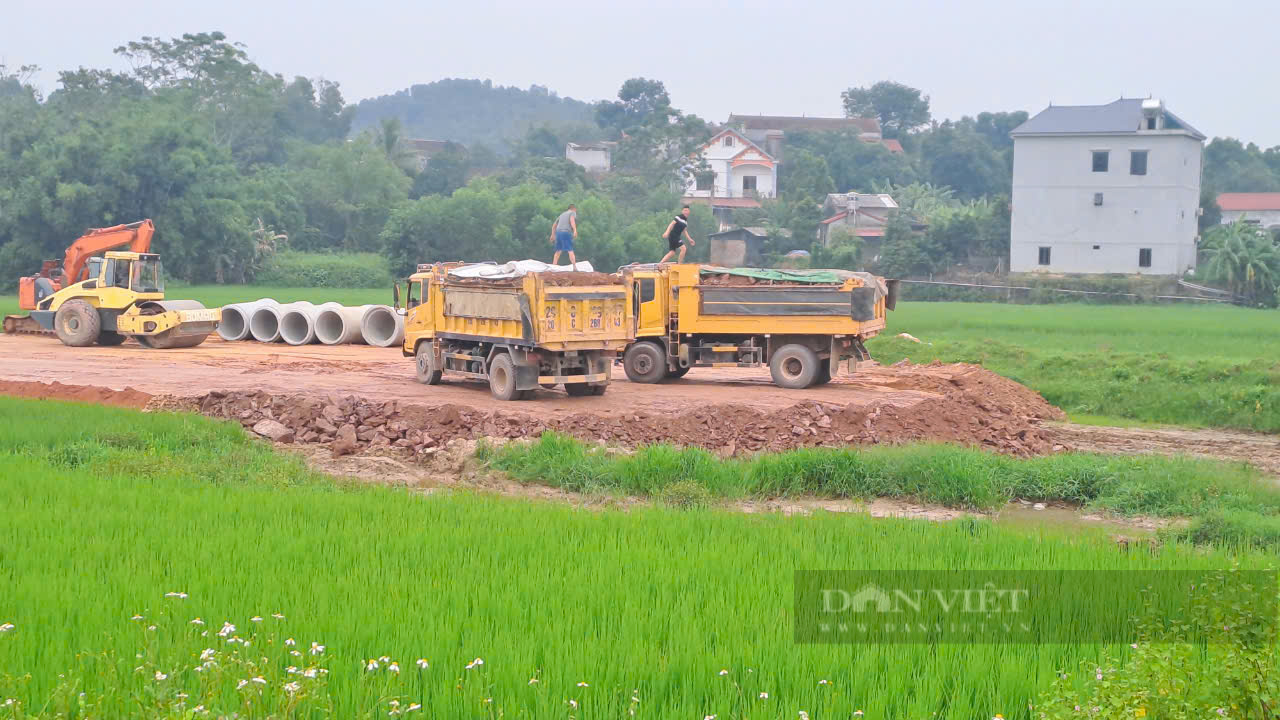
{"points": [[1244, 259], [391, 139]]}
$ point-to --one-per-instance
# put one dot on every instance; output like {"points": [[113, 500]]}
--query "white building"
{"points": [[769, 131], [737, 168], [1105, 189], [594, 157], [1261, 209]]}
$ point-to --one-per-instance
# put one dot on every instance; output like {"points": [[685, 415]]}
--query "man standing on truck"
{"points": [[563, 232], [675, 234]]}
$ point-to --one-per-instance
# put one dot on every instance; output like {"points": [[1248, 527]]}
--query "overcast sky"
{"points": [[1215, 64]]}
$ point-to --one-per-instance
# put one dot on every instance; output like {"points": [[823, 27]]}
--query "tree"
{"points": [[959, 157], [995, 127], [899, 108], [1243, 259], [854, 165], [390, 139], [640, 102], [806, 175], [445, 172], [1232, 166], [904, 253], [1212, 215]]}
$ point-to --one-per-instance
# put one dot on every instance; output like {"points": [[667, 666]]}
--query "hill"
{"points": [[473, 111]]}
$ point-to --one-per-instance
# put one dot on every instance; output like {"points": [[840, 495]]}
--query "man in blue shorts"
{"points": [[563, 232]]}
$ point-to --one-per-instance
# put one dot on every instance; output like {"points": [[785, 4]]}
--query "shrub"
{"points": [[338, 270], [685, 494]]}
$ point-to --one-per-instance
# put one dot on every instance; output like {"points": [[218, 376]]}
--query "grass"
{"points": [[942, 474], [1193, 366], [107, 510]]}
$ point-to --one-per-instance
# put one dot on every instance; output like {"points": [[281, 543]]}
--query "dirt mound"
{"points": [[128, 397], [745, 281], [974, 408]]}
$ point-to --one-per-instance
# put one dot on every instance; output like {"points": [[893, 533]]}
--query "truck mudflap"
{"points": [[592, 378]]}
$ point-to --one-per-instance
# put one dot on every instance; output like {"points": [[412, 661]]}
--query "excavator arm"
{"points": [[136, 235]]}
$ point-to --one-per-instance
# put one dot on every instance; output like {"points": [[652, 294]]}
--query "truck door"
{"points": [[648, 305]]}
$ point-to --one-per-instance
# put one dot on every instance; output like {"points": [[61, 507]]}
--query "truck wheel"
{"points": [[502, 378], [645, 362], [425, 360], [679, 372], [77, 323], [106, 337], [578, 389], [794, 367]]}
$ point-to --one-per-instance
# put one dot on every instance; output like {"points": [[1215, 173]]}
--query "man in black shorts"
{"points": [[675, 234]]}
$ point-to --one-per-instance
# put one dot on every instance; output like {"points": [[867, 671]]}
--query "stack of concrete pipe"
{"points": [[302, 323]]}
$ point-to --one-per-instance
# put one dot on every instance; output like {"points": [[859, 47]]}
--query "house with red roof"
{"points": [[736, 167], [1256, 208]]}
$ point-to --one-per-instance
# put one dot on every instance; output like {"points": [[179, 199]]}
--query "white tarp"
{"points": [[516, 268]]}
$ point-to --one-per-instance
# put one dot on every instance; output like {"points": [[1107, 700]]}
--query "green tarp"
{"points": [[822, 277]]}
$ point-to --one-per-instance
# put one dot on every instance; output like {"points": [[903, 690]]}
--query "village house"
{"points": [[864, 215], [735, 167], [1260, 208], [1109, 188], [594, 157]]}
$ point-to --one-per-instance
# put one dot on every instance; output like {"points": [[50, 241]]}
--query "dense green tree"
{"points": [[445, 172], [854, 165], [805, 175], [963, 160], [900, 108], [1232, 166], [1244, 260], [905, 253], [641, 102], [347, 190]]}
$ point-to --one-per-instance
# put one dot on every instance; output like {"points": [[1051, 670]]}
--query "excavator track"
{"points": [[23, 325]]}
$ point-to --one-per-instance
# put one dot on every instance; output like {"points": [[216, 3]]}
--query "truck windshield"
{"points": [[147, 277]]}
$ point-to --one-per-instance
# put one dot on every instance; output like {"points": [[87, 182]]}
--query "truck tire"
{"points": [[77, 323], [645, 362], [678, 373], [502, 378], [425, 360], [794, 367], [109, 338]]}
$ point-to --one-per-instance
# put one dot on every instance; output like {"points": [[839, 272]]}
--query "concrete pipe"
{"points": [[382, 326], [235, 318], [264, 324], [341, 325], [298, 326]]}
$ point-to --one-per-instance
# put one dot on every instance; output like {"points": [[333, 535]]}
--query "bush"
{"points": [[1235, 528], [685, 494], [338, 270]]}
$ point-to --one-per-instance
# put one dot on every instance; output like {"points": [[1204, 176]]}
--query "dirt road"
{"points": [[384, 374]]}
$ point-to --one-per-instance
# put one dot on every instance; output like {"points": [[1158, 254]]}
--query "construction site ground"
{"points": [[312, 392]]}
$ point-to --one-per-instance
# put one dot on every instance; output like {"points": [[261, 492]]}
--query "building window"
{"points": [[646, 290], [728, 141], [1101, 159], [1138, 162], [1151, 122], [704, 181], [1144, 257], [748, 183], [1044, 256], [1097, 198]]}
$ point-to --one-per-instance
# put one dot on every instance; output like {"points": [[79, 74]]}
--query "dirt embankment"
{"points": [[128, 397], [973, 407]]}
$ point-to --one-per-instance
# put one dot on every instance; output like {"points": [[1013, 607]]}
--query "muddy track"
{"points": [[1257, 449]]}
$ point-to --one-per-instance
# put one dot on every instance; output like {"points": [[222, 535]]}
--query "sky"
{"points": [[1214, 64]]}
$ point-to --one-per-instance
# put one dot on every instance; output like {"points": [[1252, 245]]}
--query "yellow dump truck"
{"points": [[802, 324], [539, 329]]}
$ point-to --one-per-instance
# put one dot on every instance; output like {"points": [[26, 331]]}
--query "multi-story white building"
{"points": [[736, 168], [1105, 189]]}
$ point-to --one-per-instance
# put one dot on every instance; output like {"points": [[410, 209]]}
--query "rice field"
{"points": [[155, 563]]}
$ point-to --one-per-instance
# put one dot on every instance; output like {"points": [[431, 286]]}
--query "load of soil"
{"points": [[974, 408], [552, 279], [725, 280], [128, 397]]}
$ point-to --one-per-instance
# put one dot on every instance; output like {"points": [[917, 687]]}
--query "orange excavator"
{"points": [[75, 268]]}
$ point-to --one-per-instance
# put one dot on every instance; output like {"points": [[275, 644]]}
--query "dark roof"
{"points": [[1121, 116], [817, 124]]}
